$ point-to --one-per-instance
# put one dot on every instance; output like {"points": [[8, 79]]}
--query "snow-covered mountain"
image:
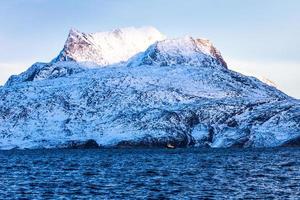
{"points": [[176, 91]]}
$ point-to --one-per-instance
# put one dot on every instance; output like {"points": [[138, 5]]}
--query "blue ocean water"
{"points": [[150, 174]]}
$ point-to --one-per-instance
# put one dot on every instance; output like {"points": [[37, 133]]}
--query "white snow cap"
{"points": [[110, 47], [180, 51], [138, 46]]}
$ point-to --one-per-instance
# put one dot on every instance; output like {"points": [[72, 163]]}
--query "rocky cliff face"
{"points": [[178, 92]]}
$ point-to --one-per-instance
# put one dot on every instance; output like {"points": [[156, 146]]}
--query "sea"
{"points": [[191, 173]]}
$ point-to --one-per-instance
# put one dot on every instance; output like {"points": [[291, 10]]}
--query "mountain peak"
{"points": [[109, 47], [73, 32], [180, 51]]}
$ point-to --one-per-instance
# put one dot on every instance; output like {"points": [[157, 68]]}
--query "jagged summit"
{"points": [[119, 45], [110, 47], [180, 51], [126, 46]]}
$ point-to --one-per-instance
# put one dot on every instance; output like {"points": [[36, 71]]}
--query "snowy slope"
{"points": [[179, 92], [40, 71]]}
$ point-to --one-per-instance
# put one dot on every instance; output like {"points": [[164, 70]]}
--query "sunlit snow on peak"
{"points": [[109, 47]]}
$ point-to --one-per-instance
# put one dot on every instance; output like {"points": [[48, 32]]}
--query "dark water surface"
{"points": [[151, 174]]}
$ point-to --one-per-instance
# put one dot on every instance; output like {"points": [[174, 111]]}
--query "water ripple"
{"points": [[151, 174]]}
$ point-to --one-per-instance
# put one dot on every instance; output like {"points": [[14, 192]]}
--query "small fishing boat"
{"points": [[170, 146]]}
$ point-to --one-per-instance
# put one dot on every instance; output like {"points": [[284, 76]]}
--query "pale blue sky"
{"points": [[257, 37]]}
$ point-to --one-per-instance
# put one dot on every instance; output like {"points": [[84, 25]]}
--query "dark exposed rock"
{"points": [[88, 144], [295, 142]]}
